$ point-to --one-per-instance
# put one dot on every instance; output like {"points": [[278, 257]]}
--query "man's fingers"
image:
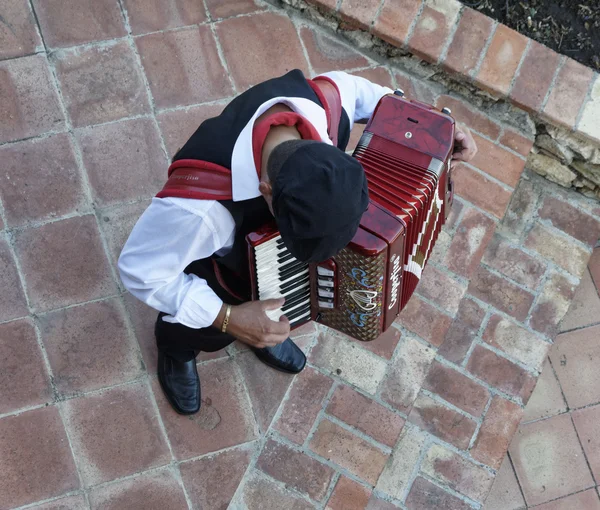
{"points": [[282, 327], [273, 304]]}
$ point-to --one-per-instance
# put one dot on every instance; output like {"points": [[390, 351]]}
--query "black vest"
{"points": [[214, 141]]}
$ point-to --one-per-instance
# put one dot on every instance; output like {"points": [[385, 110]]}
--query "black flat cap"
{"points": [[319, 196]]}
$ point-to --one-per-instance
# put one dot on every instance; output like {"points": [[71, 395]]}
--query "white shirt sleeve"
{"points": [[172, 233], [359, 95]]}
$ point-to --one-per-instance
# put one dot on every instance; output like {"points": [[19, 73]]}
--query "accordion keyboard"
{"points": [[279, 274]]}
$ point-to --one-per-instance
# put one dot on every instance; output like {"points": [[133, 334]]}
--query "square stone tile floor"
{"points": [[554, 459]]}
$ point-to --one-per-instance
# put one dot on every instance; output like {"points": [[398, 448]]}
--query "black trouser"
{"points": [[183, 343]]}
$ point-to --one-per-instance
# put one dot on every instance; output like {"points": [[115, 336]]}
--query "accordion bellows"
{"points": [[405, 151]]}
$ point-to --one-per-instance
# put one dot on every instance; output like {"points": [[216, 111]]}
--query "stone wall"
{"points": [[562, 157]]}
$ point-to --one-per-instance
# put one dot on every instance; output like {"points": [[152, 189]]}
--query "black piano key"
{"points": [[285, 288], [294, 293], [290, 303], [277, 278], [290, 263], [284, 257], [298, 312], [296, 268], [296, 282], [279, 242]]}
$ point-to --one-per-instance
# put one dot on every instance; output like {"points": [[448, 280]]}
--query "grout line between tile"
{"points": [[28, 506], [417, 467], [286, 487], [220, 50], [480, 423], [451, 34], [320, 415], [366, 438], [512, 466], [462, 370], [185, 108], [579, 328], [562, 392], [33, 53], [43, 136], [377, 14], [471, 502], [261, 438], [441, 400], [175, 465], [588, 96], [477, 68], [519, 67], [329, 492], [307, 451], [413, 24], [297, 27], [559, 67], [491, 178]]}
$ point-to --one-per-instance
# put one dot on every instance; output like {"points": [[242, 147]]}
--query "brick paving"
{"points": [[420, 418], [554, 458]]}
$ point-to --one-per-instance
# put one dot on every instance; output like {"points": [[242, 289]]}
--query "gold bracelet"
{"points": [[226, 319]]}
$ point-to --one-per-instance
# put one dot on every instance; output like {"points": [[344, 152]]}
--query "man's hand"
{"points": [[464, 146], [249, 323]]}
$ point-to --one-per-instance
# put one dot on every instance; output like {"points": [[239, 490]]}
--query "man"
{"points": [[187, 257]]}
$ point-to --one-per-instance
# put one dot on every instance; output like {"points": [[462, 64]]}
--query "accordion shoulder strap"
{"points": [[329, 95]]}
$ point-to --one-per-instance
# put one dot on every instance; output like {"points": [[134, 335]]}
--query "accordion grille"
{"points": [[359, 313]]}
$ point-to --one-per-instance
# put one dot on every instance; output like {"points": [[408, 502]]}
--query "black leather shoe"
{"points": [[180, 383], [285, 357]]}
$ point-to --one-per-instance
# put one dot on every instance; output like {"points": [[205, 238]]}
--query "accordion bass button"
{"points": [[325, 293], [324, 283], [325, 304], [399, 92], [323, 271], [446, 110]]}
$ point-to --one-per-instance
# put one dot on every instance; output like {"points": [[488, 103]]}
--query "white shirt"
{"points": [[174, 232]]}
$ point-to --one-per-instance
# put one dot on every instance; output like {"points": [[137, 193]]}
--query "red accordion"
{"points": [[405, 151]]}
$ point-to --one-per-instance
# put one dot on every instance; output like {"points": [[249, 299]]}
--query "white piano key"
{"points": [[270, 250], [275, 268], [274, 315], [266, 264], [270, 294], [266, 244]]}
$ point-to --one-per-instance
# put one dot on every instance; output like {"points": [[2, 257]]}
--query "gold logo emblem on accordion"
{"points": [[365, 299]]}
